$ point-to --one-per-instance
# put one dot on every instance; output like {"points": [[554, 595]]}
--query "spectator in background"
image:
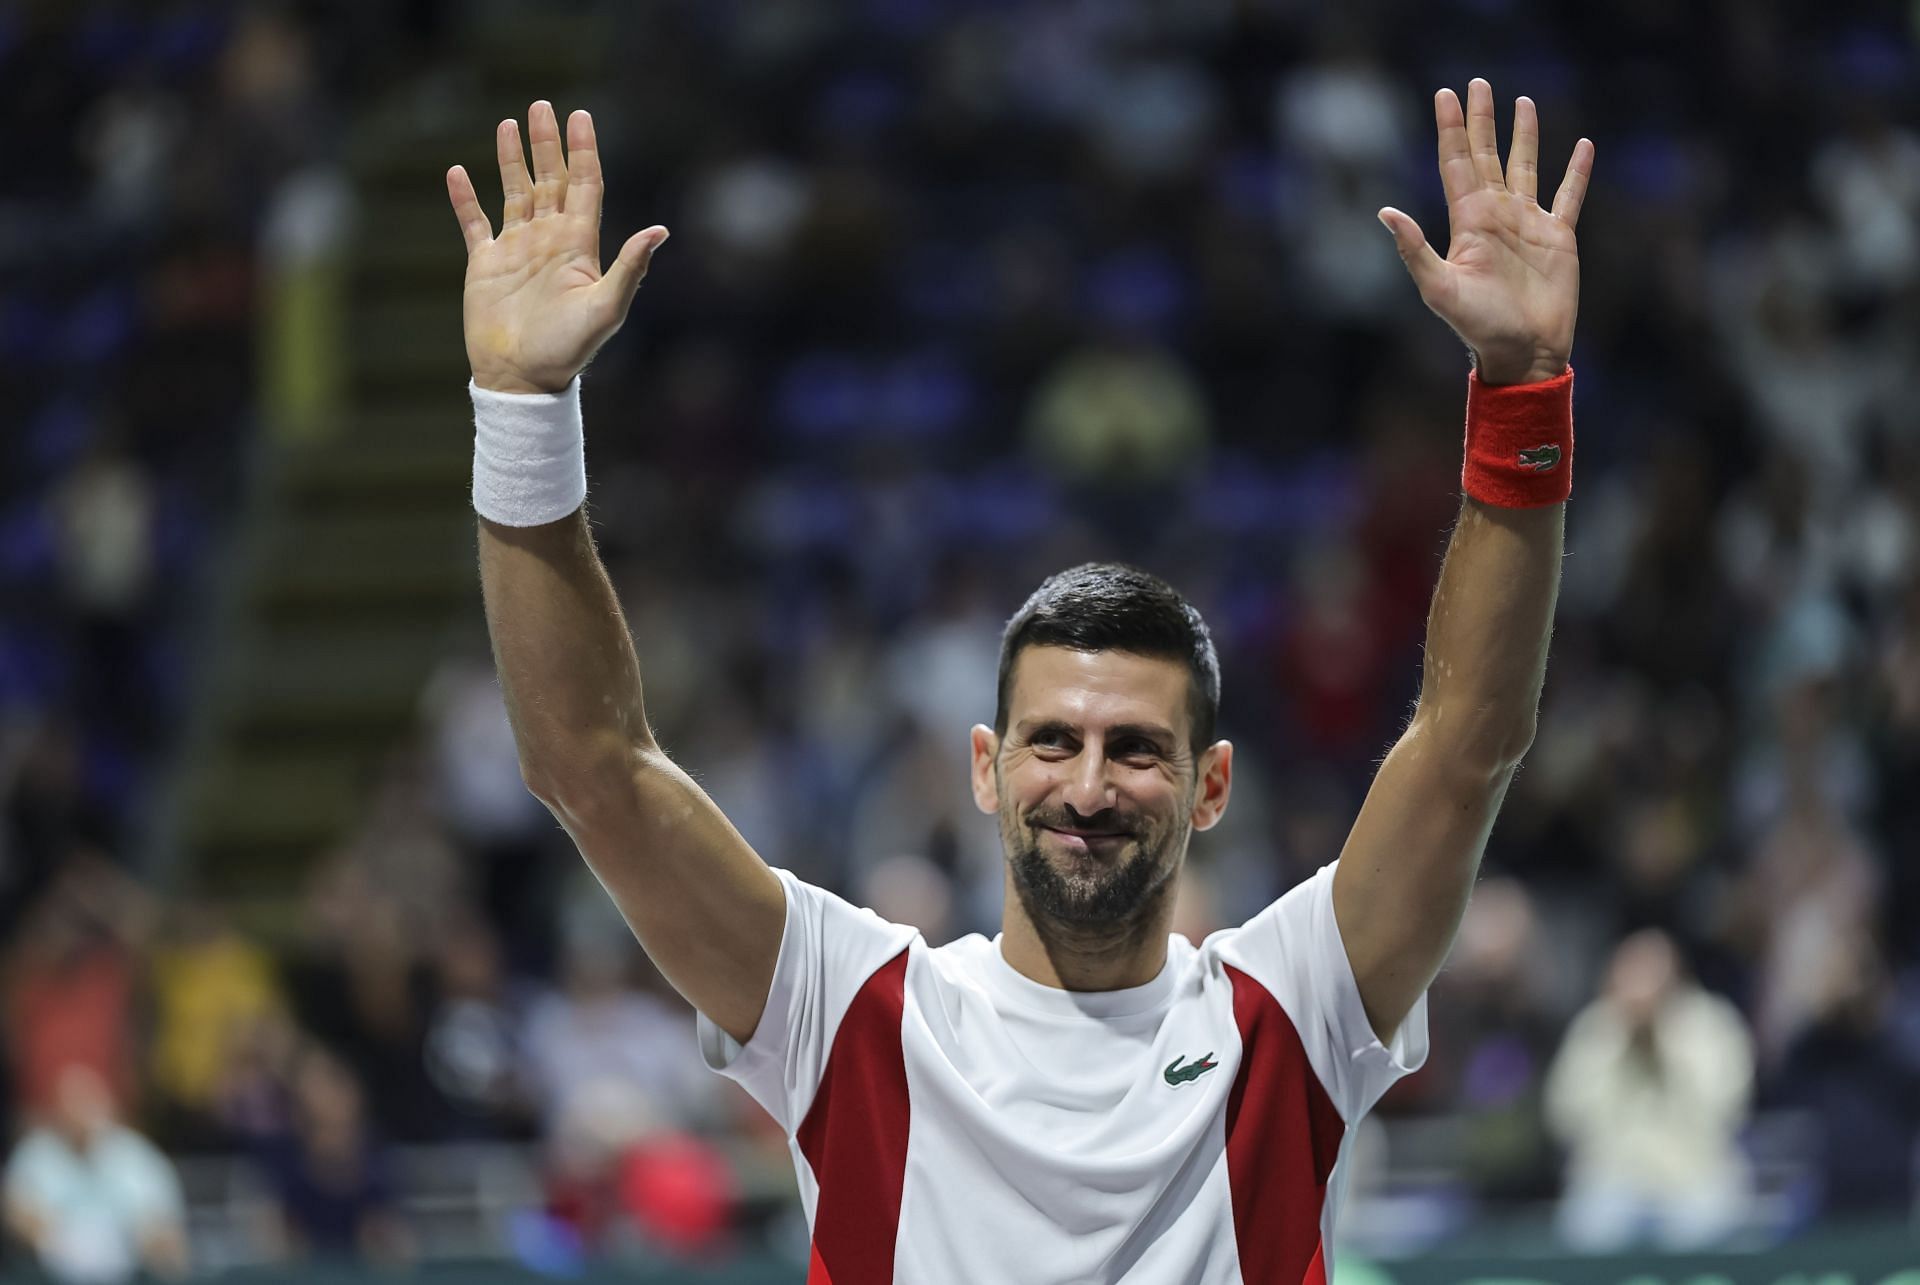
{"points": [[478, 793], [376, 909], [104, 516], [912, 806], [92, 1199], [332, 1183], [1648, 1092], [211, 988], [1849, 1070], [1333, 659], [1122, 415], [49, 809], [472, 1042], [622, 1178], [71, 978], [1810, 890], [600, 1029], [1495, 1027], [605, 1059], [255, 1102]]}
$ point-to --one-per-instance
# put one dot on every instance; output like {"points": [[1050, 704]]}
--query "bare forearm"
{"points": [[1487, 632], [566, 661]]}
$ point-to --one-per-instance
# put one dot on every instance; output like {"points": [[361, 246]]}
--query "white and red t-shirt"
{"points": [[952, 1120]]}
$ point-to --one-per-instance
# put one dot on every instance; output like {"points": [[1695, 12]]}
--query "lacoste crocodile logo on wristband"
{"points": [[1541, 459], [1178, 1075]]}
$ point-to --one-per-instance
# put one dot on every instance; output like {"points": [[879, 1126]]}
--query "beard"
{"points": [[1096, 892]]}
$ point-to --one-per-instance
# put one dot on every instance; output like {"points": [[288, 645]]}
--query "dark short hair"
{"points": [[1110, 606]]}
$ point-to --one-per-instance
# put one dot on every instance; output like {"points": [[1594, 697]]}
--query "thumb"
{"points": [[630, 268], [1425, 265]]}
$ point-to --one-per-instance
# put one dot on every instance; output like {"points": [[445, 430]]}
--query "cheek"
{"points": [[1027, 786]]}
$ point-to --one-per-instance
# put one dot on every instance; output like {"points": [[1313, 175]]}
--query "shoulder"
{"points": [[823, 923], [35, 1153]]}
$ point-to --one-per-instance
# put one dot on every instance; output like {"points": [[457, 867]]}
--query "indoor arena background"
{"points": [[959, 293]]}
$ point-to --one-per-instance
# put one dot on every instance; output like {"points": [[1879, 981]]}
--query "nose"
{"points": [[1088, 791]]}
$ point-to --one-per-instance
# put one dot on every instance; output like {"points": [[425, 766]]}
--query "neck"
{"points": [[1077, 957]]}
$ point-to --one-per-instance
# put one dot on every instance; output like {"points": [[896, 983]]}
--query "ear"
{"points": [[1216, 783], [986, 791]]}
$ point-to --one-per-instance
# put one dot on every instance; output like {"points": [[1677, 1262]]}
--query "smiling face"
{"points": [[1095, 785]]}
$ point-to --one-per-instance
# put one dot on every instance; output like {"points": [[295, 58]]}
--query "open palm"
{"points": [[536, 306], [1510, 284]]}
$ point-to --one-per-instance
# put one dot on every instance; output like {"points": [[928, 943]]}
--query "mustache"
{"points": [[1108, 822]]}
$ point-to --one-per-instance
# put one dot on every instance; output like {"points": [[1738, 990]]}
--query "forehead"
{"points": [[1094, 688]]}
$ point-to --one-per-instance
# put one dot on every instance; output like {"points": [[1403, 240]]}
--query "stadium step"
{"points": [[354, 567]]}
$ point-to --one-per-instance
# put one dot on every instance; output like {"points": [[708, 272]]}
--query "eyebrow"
{"points": [[1162, 736]]}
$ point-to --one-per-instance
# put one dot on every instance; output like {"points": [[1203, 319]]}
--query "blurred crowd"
{"points": [[961, 293]]}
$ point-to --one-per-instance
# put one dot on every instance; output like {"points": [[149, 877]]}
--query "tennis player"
{"points": [[1086, 1096]]}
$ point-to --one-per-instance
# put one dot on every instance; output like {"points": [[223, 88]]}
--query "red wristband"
{"points": [[1519, 442]]}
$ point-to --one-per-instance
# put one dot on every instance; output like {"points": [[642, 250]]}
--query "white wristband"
{"points": [[529, 455]]}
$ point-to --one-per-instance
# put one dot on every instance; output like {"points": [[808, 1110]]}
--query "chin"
{"points": [[1057, 887]]}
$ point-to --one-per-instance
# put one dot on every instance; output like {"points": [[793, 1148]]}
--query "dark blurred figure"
{"points": [[503, 833], [50, 807], [1849, 1070], [377, 909], [472, 1042], [332, 1181], [1495, 1028]]}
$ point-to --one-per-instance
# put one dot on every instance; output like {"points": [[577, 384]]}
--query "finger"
{"points": [[466, 207], [1482, 137], [1425, 265], [513, 175], [1523, 160], [549, 167], [583, 168], [1573, 188], [630, 268], [1457, 175]]}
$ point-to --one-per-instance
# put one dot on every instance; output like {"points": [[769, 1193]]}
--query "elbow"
{"points": [[1483, 748], [1513, 746], [569, 785], [539, 784], [544, 776]]}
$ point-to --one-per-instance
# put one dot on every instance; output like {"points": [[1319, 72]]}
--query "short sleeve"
{"points": [[1293, 948], [828, 949]]}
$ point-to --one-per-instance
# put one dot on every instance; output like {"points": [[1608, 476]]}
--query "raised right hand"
{"points": [[536, 306]]}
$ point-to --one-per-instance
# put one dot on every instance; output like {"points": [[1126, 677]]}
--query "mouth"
{"points": [[1087, 841]]}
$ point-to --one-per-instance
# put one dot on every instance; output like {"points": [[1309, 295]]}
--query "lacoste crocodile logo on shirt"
{"points": [[1178, 1075], [1541, 459]]}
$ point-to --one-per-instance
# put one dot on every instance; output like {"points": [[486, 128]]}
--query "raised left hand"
{"points": [[1510, 284]]}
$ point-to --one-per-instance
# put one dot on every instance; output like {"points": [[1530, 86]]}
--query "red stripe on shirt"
{"points": [[1283, 1136], [855, 1137]]}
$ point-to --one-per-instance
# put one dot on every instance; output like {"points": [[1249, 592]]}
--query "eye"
{"points": [[1137, 747]]}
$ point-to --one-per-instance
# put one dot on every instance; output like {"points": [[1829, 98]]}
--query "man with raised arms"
{"points": [[1086, 1096]]}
